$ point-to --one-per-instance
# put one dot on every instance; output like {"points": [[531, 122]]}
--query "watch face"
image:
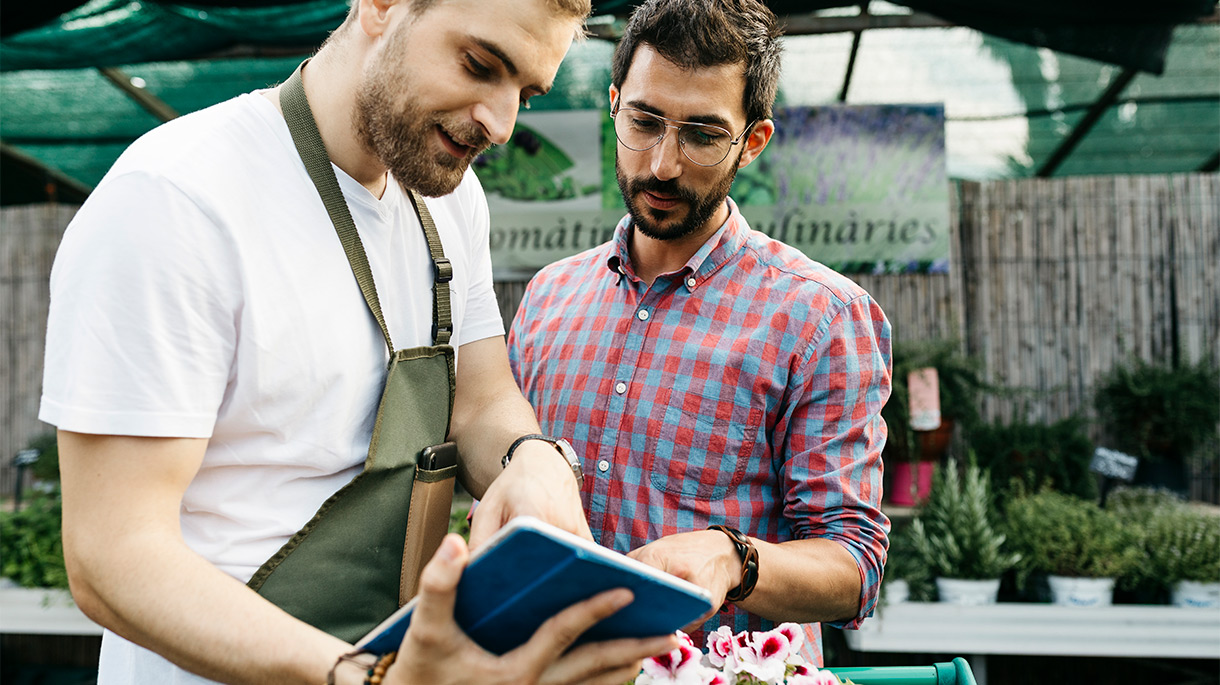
{"points": [[565, 448]]}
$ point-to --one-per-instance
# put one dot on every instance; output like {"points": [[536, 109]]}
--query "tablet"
{"points": [[529, 571]]}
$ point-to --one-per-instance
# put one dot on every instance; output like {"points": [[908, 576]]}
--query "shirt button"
{"points": [[642, 314], [620, 388], [603, 466], [690, 282]]}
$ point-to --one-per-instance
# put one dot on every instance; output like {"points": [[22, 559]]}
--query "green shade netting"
{"points": [[1008, 105], [108, 32]]}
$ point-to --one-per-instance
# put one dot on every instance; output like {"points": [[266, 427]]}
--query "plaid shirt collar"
{"points": [[713, 254]]}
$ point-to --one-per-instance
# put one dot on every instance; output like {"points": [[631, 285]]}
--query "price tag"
{"points": [[1113, 464], [923, 387]]}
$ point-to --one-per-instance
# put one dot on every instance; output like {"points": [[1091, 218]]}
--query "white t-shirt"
{"points": [[202, 291]]}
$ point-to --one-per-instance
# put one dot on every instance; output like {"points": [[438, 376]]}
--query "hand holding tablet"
{"points": [[529, 571]]}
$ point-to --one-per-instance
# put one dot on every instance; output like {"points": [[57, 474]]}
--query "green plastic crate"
{"points": [[956, 672]]}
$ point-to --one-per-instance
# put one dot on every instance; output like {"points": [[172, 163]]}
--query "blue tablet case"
{"points": [[530, 571]]}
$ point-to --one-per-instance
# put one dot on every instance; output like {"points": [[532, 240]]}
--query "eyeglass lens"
{"points": [[703, 144]]}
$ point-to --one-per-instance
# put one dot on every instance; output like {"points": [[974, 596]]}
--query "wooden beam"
{"points": [[812, 24], [1108, 98], [149, 102], [851, 58], [36, 168]]}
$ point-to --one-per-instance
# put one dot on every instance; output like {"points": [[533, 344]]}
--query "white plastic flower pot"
{"points": [[967, 592], [895, 591], [1188, 593], [1081, 592]]}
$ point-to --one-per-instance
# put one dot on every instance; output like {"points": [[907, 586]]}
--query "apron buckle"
{"points": [[443, 270], [448, 330]]}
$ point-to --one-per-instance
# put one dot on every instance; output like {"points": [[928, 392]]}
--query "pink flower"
{"points": [[766, 656], [763, 658], [815, 678], [680, 666], [796, 637], [722, 648]]}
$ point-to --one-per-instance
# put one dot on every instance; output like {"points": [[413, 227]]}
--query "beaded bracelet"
{"points": [[377, 672]]}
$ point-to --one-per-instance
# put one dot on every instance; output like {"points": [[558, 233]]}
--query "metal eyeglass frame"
{"points": [[678, 125]]}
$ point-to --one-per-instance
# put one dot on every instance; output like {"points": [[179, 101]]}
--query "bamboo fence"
{"points": [[1052, 282], [29, 236]]}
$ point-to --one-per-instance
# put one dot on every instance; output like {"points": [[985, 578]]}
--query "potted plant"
{"points": [[1027, 455], [1182, 547], [913, 454], [1083, 549], [906, 574], [957, 536], [1160, 413]]}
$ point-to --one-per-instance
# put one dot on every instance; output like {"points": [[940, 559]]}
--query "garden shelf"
{"points": [[1127, 630], [26, 611], [1159, 632]]}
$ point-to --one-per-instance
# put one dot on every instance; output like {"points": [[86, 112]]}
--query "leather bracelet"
{"points": [[508, 455], [749, 563], [565, 450], [350, 656]]}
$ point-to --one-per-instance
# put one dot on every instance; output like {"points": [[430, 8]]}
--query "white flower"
{"points": [[766, 657], [678, 667], [813, 677], [796, 639], [722, 648], [760, 657]]}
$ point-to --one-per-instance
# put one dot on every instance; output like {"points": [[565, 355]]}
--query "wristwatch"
{"points": [[564, 447]]}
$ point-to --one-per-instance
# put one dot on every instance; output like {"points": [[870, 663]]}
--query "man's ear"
{"points": [[375, 15], [613, 95], [756, 142]]}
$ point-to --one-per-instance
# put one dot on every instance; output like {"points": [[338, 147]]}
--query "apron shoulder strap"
{"points": [[442, 273], [308, 141]]}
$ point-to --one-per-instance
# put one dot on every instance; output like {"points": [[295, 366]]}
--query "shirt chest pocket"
{"points": [[703, 446]]}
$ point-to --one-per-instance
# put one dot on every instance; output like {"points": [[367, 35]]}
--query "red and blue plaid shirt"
{"points": [[744, 389]]}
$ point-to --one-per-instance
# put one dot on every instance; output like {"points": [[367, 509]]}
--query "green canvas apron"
{"points": [[344, 571]]}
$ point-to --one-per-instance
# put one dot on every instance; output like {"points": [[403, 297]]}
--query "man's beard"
{"points": [[699, 208], [400, 137]]}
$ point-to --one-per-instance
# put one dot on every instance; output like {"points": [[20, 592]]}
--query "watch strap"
{"points": [[749, 563], [562, 446]]}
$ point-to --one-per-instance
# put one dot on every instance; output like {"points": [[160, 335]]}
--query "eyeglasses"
{"points": [[703, 144]]}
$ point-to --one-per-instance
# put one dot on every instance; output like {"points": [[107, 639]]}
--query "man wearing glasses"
{"points": [[722, 390]]}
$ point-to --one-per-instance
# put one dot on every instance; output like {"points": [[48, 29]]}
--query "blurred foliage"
{"points": [[1134, 504], [528, 167], [904, 562], [1033, 456], [31, 548], [1178, 542], [457, 519], [1064, 535], [47, 466], [1181, 543], [956, 533], [1157, 412]]}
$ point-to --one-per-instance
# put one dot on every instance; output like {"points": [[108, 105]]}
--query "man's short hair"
{"points": [[578, 9], [707, 33]]}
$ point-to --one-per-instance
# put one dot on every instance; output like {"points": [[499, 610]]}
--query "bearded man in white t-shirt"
{"points": [[215, 373]]}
